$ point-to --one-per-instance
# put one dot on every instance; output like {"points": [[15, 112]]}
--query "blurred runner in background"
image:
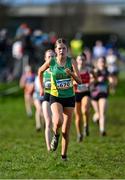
{"points": [[82, 102], [37, 99], [27, 83], [46, 100], [99, 93], [113, 69]]}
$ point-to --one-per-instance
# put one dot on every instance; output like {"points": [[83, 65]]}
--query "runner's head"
{"points": [[81, 59], [49, 54], [101, 62], [61, 48]]}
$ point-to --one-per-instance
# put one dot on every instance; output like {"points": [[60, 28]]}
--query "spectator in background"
{"points": [[22, 50], [45, 44], [41, 43], [89, 62], [98, 50], [52, 39], [21, 30], [113, 69], [5, 55], [17, 54], [28, 48], [37, 40], [76, 45]]}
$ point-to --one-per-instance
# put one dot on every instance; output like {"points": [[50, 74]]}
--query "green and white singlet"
{"points": [[47, 81], [61, 83]]}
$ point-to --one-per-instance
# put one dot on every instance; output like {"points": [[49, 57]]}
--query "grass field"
{"points": [[23, 152]]}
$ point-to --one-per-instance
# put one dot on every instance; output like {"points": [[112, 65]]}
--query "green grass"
{"points": [[23, 151]]}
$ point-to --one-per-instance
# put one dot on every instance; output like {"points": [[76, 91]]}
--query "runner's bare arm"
{"points": [[40, 75]]}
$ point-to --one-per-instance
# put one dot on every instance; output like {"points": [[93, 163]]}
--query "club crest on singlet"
{"points": [[47, 84]]}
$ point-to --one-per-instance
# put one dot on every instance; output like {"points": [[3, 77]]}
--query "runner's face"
{"points": [[92, 78], [80, 60], [49, 55], [100, 63], [61, 50]]}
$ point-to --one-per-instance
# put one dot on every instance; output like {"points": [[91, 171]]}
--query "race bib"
{"points": [[64, 83], [83, 87], [47, 84], [103, 88]]}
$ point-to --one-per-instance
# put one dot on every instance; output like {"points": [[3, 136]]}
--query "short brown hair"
{"points": [[59, 41]]}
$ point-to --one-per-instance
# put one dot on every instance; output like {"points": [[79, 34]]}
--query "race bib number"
{"points": [[47, 85], [83, 87], [103, 88], [64, 83]]}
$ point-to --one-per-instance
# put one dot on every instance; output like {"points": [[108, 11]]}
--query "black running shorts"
{"points": [[65, 102]]}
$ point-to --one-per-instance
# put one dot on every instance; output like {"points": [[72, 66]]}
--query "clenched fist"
{"points": [[68, 71]]}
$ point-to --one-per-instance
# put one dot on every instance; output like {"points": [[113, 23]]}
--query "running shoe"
{"points": [[79, 138], [29, 114], [38, 129], [86, 131], [103, 133], [64, 157], [54, 142]]}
